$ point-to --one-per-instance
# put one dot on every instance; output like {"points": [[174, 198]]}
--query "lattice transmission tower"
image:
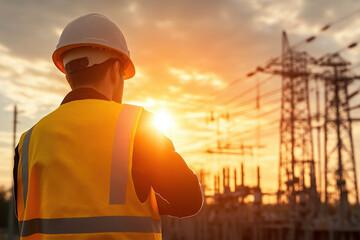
{"points": [[297, 182], [340, 171]]}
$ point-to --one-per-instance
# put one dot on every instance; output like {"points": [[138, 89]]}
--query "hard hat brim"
{"points": [[57, 57]]}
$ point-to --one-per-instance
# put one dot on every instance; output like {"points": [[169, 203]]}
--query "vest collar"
{"points": [[83, 93]]}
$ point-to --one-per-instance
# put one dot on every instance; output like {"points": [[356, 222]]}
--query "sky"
{"points": [[186, 55]]}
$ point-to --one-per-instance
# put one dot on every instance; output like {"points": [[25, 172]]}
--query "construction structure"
{"points": [[340, 171], [300, 213], [297, 182]]}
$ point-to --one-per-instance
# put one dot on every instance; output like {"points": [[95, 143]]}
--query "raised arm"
{"points": [[156, 163]]}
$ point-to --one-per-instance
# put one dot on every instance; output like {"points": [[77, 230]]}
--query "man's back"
{"points": [[78, 168], [95, 167]]}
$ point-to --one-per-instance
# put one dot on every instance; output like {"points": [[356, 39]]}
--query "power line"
{"points": [[247, 133], [306, 40], [216, 93], [264, 133], [272, 61], [253, 130], [334, 54], [267, 94], [214, 138], [236, 113], [324, 28], [251, 100], [248, 90], [261, 115]]}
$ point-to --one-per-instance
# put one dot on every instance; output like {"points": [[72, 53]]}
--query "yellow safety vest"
{"points": [[74, 176]]}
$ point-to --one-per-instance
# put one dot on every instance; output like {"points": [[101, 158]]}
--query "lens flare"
{"points": [[163, 120]]}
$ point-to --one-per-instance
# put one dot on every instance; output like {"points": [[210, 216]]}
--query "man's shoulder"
{"points": [[149, 134], [147, 117], [146, 121]]}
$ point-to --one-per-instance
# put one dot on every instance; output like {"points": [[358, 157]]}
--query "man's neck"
{"points": [[83, 93], [106, 91]]}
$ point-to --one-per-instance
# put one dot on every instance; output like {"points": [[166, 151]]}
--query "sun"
{"points": [[163, 120]]}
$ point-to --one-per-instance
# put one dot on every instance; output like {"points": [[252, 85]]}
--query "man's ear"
{"points": [[114, 71]]}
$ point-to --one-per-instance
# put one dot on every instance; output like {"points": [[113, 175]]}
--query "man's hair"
{"points": [[91, 75]]}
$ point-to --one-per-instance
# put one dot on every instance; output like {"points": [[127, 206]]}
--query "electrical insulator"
{"points": [[250, 74], [310, 39], [352, 45], [326, 27], [259, 69]]}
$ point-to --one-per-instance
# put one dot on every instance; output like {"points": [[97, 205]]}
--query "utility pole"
{"points": [[318, 128], [258, 126], [217, 119], [11, 202]]}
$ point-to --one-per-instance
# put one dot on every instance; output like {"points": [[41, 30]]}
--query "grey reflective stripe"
{"points": [[25, 164], [121, 153], [90, 225]]}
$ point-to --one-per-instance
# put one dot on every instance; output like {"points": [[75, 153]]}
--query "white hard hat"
{"points": [[95, 31]]}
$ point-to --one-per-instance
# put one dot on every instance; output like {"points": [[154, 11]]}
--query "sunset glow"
{"points": [[191, 61], [163, 121], [216, 120]]}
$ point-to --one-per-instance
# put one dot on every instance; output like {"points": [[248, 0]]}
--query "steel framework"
{"points": [[340, 171], [297, 182]]}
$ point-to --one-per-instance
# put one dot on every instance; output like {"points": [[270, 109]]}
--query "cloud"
{"points": [[201, 79], [30, 84]]}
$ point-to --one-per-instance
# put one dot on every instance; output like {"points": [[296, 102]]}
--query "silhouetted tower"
{"points": [[340, 172], [296, 163]]}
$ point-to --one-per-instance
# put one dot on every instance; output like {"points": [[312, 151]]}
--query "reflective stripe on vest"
{"points": [[121, 154], [90, 225], [25, 164]]}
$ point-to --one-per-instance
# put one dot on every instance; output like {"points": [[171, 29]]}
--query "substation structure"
{"points": [[317, 198]]}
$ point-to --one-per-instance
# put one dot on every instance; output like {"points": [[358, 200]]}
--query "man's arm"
{"points": [[156, 164]]}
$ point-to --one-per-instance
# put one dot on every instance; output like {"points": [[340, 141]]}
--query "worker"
{"points": [[96, 168]]}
